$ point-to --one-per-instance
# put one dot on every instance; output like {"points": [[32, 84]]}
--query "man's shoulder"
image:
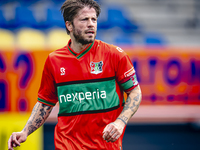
{"points": [[113, 49], [106, 45]]}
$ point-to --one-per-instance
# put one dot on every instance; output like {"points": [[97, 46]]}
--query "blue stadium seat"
{"points": [[2, 20], [54, 17], [58, 1], [40, 16], [124, 39], [27, 2], [154, 39], [116, 18], [8, 23], [5, 1], [24, 17]]}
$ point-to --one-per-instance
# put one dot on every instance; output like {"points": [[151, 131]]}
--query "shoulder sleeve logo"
{"points": [[96, 67], [129, 72], [119, 49], [62, 71]]}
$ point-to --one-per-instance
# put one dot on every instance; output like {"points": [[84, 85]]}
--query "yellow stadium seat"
{"points": [[7, 40], [57, 38], [31, 40]]}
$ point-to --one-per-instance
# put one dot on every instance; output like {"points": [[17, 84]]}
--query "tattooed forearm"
{"points": [[38, 122], [135, 104], [127, 104], [33, 114], [38, 116], [44, 109], [42, 112], [31, 129], [123, 118], [35, 109], [136, 98], [131, 105]]}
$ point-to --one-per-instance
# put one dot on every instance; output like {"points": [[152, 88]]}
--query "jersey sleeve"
{"points": [[125, 71], [47, 92]]}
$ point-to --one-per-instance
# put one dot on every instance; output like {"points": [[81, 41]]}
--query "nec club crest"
{"points": [[96, 67]]}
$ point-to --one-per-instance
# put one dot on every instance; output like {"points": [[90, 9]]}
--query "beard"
{"points": [[80, 38]]}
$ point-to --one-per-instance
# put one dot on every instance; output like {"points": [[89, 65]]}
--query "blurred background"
{"points": [[162, 38]]}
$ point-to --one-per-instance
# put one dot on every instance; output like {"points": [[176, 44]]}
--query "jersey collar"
{"points": [[82, 53]]}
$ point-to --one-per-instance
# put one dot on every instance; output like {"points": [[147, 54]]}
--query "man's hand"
{"points": [[15, 139], [113, 131]]}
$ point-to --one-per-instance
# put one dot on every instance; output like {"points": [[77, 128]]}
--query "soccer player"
{"points": [[88, 78]]}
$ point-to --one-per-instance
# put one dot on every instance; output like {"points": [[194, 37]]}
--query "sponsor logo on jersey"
{"points": [[89, 96], [119, 49], [80, 96], [96, 67]]}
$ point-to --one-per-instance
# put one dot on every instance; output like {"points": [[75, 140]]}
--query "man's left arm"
{"points": [[114, 130]]}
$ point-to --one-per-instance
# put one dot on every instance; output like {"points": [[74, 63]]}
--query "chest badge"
{"points": [[96, 67]]}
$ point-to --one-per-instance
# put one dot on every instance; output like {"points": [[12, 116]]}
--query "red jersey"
{"points": [[89, 88]]}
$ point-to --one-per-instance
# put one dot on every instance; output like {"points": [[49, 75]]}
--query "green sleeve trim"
{"points": [[127, 84], [46, 102]]}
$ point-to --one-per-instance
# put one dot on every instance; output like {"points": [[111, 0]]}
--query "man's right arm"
{"points": [[38, 116]]}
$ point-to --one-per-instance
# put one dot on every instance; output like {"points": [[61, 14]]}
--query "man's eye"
{"points": [[94, 19]]}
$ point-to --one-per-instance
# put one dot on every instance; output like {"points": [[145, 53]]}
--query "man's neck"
{"points": [[78, 47]]}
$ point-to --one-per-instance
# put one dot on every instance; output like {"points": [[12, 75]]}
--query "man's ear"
{"points": [[69, 25]]}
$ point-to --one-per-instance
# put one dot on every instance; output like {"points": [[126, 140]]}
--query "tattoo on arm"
{"points": [[31, 129], [124, 119], [127, 103], [42, 112], [132, 104], [33, 122], [35, 109], [38, 122]]}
